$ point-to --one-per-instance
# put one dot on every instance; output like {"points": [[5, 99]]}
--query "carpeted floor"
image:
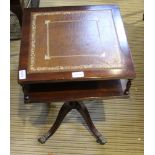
{"points": [[120, 120]]}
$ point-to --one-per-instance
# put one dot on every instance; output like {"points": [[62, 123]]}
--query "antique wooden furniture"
{"points": [[72, 54]]}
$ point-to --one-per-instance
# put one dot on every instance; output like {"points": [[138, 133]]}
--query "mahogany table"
{"points": [[73, 54]]}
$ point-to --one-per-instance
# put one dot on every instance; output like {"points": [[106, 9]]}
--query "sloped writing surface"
{"points": [[73, 40]]}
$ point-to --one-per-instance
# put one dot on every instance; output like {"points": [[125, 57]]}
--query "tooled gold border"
{"points": [[32, 68]]}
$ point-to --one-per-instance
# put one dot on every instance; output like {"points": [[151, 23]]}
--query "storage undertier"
{"points": [[70, 91]]}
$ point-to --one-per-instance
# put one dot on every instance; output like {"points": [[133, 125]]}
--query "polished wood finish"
{"points": [[121, 120], [69, 91], [112, 59], [58, 42], [82, 109]]}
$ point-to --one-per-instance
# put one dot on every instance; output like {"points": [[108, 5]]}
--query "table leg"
{"points": [[25, 90], [82, 109], [61, 115], [85, 114], [128, 85]]}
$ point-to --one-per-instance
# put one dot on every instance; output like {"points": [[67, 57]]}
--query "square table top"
{"points": [[74, 43]]}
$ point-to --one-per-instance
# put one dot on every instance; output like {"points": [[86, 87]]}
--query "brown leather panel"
{"points": [[73, 40], [57, 41]]}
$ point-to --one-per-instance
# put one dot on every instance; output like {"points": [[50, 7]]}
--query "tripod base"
{"points": [[82, 109]]}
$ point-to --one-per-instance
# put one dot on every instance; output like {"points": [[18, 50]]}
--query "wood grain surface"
{"points": [[120, 120]]}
